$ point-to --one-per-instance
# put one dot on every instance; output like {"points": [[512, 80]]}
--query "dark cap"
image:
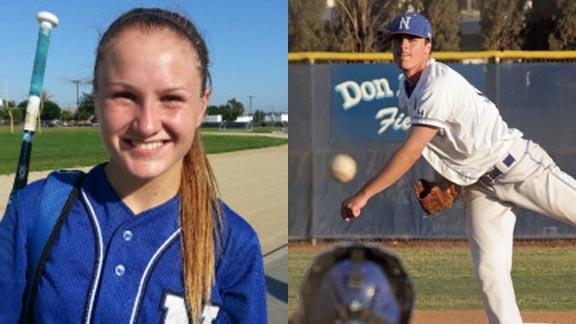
{"points": [[356, 283]]}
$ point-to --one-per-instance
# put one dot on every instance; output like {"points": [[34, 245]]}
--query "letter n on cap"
{"points": [[405, 23]]}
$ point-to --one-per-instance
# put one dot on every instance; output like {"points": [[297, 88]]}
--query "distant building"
{"points": [[470, 31], [276, 119], [244, 119], [212, 119]]}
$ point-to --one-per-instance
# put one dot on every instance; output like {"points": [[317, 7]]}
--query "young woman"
{"points": [[147, 239]]}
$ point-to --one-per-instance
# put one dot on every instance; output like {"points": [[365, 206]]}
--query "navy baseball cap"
{"points": [[356, 283], [412, 24]]}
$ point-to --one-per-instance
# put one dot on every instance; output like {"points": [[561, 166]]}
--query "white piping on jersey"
{"points": [[554, 170], [147, 270], [100, 260]]}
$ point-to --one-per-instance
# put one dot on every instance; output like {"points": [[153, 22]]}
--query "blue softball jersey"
{"points": [[109, 265]]}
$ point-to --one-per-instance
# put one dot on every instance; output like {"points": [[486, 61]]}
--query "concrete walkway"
{"points": [[255, 184], [276, 265]]}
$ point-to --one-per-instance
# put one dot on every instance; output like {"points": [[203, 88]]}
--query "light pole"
{"points": [[78, 82], [250, 111]]}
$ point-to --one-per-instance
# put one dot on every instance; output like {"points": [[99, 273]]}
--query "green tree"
{"points": [[502, 24], [230, 111], [235, 109], [538, 29], [67, 115], [9, 110], [222, 111], [564, 35], [86, 108], [357, 23], [213, 110], [6, 104], [259, 115], [18, 113], [50, 111], [444, 17], [307, 30], [463, 4], [349, 26]]}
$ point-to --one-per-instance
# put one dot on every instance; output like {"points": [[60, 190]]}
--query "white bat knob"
{"points": [[47, 17]]}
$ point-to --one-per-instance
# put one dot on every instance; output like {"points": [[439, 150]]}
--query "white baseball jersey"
{"points": [[472, 136], [473, 140]]}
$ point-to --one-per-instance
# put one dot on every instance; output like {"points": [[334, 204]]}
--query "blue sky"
{"points": [[247, 40]]}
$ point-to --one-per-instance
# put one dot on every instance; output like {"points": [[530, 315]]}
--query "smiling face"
{"points": [[411, 54], [149, 102]]}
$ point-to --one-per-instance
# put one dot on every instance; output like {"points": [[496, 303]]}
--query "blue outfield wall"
{"points": [[353, 109]]}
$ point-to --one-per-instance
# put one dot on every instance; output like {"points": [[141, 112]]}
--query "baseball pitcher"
{"points": [[461, 134]]}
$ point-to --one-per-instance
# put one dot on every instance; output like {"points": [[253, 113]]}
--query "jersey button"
{"points": [[119, 270], [127, 235]]}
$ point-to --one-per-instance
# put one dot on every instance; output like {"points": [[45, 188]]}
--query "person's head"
{"points": [[411, 38], [152, 86], [355, 283]]}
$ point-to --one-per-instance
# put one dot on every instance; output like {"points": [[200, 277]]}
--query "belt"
{"points": [[489, 177]]}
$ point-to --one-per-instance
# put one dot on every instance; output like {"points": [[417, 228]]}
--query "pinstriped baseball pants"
{"points": [[534, 182]]}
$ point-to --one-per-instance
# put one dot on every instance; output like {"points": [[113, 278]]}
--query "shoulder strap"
{"points": [[59, 185], [59, 192]]}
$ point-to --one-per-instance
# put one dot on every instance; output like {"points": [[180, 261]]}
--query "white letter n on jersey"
{"points": [[175, 311]]}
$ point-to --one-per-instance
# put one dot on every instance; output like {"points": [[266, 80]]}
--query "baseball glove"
{"points": [[434, 197]]}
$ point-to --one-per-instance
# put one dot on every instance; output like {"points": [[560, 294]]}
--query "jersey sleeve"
{"points": [[240, 273], [433, 106], [14, 229]]}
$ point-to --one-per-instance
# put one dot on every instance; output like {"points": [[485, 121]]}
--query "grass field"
{"points": [[444, 279], [56, 148]]}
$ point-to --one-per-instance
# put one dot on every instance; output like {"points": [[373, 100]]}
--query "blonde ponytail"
{"points": [[199, 219]]}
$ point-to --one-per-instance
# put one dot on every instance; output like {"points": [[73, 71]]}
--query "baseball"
{"points": [[343, 168]]}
